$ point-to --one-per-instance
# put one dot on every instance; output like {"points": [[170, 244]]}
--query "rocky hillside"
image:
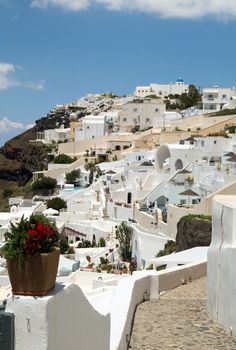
{"points": [[193, 231], [19, 157]]}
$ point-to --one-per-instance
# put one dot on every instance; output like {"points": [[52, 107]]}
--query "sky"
{"points": [[55, 51]]}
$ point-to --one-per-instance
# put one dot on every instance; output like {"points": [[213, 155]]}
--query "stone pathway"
{"points": [[179, 321]]}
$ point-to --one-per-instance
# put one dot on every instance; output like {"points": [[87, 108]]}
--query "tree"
{"points": [[45, 184], [56, 203], [91, 167], [191, 98], [124, 235], [63, 159], [73, 176]]}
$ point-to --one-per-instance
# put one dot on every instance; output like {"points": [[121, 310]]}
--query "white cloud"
{"points": [[7, 79], [73, 5], [163, 8], [7, 125]]}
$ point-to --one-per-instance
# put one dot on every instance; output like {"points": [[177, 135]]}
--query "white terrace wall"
{"points": [[63, 320], [221, 282], [66, 320]]}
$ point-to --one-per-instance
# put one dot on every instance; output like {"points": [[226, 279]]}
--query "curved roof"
{"points": [[180, 80]]}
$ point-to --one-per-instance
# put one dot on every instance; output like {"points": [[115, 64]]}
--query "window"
{"points": [[147, 119], [124, 119], [87, 127], [224, 96], [214, 142], [135, 109], [157, 109]]}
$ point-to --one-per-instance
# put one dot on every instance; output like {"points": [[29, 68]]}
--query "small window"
{"points": [[215, 142], [157, 110], [224, 96], [87, 127], [147, 119], [135, 109], [124, 119]]}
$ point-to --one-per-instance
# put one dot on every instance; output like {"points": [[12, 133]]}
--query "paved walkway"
{"points": [[179, 321]]}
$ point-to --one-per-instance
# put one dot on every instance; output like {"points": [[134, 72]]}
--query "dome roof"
{"points": [[180, 80]]}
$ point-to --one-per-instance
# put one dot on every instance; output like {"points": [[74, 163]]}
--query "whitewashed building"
{"points": [[214, 98], [91, 127], [54, 135], [140, 113], [162, 90]]}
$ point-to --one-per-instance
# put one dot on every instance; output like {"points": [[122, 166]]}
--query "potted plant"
{"points": [[32, 254]]}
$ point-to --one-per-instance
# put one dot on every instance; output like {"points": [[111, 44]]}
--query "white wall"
{"points": [[58, 321], [146, 244], [221, 282]]}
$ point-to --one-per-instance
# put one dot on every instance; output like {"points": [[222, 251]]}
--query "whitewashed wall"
{"points": [[221, 284], [58, 321]]}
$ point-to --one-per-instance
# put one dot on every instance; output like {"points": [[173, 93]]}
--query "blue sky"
{"points": [[54, 51]]}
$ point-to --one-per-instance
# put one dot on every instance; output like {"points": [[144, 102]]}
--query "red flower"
{"points": [[32, 232]]}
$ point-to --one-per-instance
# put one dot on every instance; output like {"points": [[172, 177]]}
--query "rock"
{"points": [[193, 233]]}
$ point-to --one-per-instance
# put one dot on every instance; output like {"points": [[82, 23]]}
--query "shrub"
{"points": [[85, 244], [64, 246], [63, 159], [7, 192], [124, 235], [104, 261], [191, 217], [73, 176], [169, 248], [44, 184], [102, 242], [56, 203]]}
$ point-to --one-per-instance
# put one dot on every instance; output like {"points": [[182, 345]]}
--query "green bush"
{"points": [[104, 261], [56, 203], [7, 192], [124, 235], [85, 244], [64, 246], [191, 217], [170, 247], [102, 242], [45, 183], [63, 159], [73, 176]]}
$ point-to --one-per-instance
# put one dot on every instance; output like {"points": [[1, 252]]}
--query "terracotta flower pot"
{"points": [[36, 276]]}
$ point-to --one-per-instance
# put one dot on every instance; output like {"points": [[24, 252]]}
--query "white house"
{"points": [[162, 90], [140, 113], [214, 98], [57, 135], [91, 127]]}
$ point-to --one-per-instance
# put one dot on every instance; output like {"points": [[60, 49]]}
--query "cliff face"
{"points": [[193, 233], [19, 158]]}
